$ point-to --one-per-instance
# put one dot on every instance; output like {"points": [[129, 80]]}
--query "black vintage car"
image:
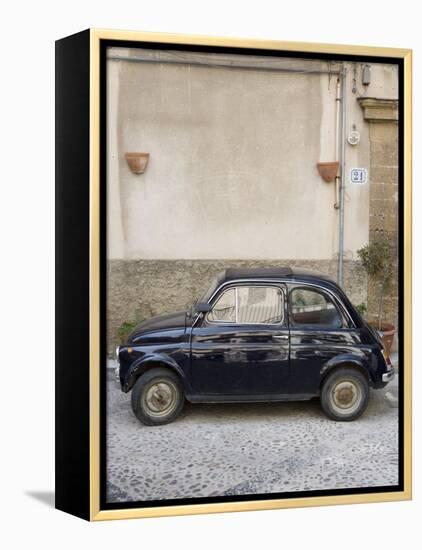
{"points": [[271, 334]]}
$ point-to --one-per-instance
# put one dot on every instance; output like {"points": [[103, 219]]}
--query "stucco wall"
{"points": [[233, 154]]}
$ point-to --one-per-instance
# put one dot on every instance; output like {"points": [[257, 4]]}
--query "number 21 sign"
{"points": [[358, 176]]}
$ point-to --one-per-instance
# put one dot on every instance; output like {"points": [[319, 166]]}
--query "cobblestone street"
{"points": [[239, 449]]}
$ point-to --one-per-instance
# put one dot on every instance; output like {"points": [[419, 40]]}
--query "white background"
{"points": [[27, 37]]}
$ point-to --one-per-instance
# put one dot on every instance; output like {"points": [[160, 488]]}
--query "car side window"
{"points": [[313, 308], [249, 305]]}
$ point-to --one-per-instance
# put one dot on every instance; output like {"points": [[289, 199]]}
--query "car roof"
{"points": [[236, 273]]}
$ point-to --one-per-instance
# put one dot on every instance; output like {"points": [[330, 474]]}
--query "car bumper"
{"points": [[388, 376]]}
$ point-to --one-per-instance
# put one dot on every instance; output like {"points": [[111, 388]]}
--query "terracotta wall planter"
{"points": [[328, 170], [137, 162], [387, 332]]}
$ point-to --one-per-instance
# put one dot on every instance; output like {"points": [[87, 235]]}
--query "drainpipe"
{"points": [[338, 139], [340, 156], [343, 179], [177, 59]]}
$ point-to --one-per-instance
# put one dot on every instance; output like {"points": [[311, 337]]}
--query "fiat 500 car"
{"points": [[256, 335]]}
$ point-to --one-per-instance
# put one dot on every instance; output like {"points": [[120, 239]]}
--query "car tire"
{"points": [[157, 397], [345, 394]]}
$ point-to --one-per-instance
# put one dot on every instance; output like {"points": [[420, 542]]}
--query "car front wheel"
{"points": [[345, 394], [157, 397]]}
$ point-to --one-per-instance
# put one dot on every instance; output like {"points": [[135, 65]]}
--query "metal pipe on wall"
{"points": [[342, 179], [337, 140], [263, 66]]}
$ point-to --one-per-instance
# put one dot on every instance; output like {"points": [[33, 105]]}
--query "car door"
{"points": [[320, 330], [241, 346]]}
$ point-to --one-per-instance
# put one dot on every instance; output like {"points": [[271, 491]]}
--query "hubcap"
{"points": [[160, 398], [346, 396]]}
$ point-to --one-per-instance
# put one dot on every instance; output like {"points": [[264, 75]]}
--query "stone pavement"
{"points": [[240, 449]]}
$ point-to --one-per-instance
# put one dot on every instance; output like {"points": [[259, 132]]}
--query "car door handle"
{"points": [[280, 337]]}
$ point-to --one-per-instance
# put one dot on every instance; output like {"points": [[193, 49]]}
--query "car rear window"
{"points": [[313, 308]]}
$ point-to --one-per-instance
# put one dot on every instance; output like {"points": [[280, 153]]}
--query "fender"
{"points": [[145, 362], [358, 361]]}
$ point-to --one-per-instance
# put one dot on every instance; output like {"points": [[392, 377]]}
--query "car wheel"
{"points": [[345, 394], [157, 397]]}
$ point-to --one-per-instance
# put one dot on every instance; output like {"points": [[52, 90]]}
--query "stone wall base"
{"points": [[138, 289]]}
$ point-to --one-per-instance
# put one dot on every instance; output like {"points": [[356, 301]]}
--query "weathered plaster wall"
{"points": [[233, 154]]}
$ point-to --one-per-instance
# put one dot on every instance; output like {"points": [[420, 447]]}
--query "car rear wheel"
{"points": [[345, 394], [157, 397]]}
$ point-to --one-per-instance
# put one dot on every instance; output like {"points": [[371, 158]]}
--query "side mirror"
{"points": [[202, 307]]}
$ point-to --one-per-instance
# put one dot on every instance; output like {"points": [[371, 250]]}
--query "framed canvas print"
{"points": [[233, 274]]}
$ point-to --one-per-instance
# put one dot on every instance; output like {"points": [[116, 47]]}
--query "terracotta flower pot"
{"points": [[328, 170], [387, 332], [137, 162]]}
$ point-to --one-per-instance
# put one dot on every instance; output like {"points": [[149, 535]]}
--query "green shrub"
{"points": [[377, 261], [125, 329], [362, 309]]}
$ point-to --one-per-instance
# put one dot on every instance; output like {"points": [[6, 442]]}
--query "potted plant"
{"points": [[377, 261]]}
